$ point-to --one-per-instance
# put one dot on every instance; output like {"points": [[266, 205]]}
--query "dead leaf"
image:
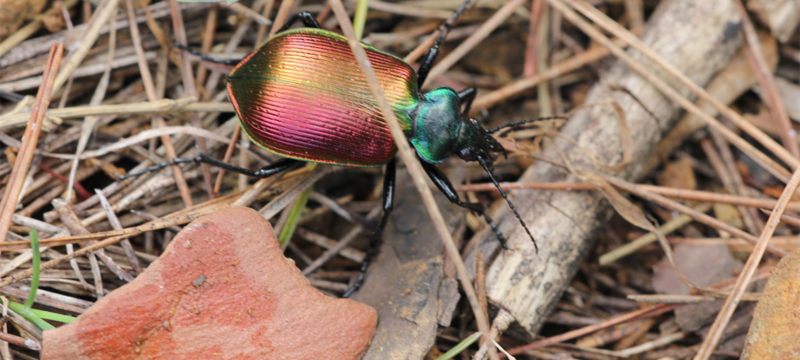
{"points": [[703, 266], [728, 214], [15, 12], [678, 174]]}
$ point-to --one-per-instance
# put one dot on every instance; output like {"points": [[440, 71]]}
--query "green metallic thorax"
{"points": [[436, 125]]}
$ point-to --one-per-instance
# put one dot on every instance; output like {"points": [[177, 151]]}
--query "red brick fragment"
{"points": [[221, 290]]}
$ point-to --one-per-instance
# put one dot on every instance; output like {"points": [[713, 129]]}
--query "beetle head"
{"points": [[476, 144]]}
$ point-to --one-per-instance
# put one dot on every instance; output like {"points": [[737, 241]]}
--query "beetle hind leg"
{"points": [[206, 57], [269, 170], [376, 239]]}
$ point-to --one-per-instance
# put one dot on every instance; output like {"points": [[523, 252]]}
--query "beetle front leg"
{"points": [[449, 191], [306, 17], [377, 237], [430, 56], [467, 96]]}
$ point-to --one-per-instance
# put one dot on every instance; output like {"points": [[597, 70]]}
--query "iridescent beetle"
{"points": [[302, 96]]}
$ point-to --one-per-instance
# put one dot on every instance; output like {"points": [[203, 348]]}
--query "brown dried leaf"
{"points": [[728, 214], [14, 12], [763, 120], [53, 20], [703, 266], [678, 174]]}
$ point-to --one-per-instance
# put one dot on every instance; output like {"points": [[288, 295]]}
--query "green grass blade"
{"points": [[47, 315], [360, 17], [37, 268], [28, 314], [463, 345], [287, 231]]}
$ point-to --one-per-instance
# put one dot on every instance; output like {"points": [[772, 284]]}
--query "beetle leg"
{"points": [[433, 52], [467, 96], [207, 58], [306, 17], [269, 170], [11, 96], [377, 237], [449, 191]]}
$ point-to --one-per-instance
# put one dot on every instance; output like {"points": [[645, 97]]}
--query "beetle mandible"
{"points": [[303, 96]]}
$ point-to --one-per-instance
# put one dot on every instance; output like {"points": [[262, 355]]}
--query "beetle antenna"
{"points": [[519, 124], [488, 168]]}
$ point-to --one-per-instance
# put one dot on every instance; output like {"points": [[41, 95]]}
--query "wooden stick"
{"points": [[30, 139]]}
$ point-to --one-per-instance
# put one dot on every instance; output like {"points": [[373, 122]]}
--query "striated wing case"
{"points": [[303, 96]]}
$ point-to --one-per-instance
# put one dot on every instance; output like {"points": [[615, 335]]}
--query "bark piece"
{"points": [[790, 92], [222, 290], [776, 319], [696, 37], [782, 16], [405, 282]]}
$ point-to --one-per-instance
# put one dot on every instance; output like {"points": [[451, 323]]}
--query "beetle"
{"points": [[303, 96]]}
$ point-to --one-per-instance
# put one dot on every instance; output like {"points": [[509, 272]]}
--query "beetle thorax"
{"points": [[437, 125]]}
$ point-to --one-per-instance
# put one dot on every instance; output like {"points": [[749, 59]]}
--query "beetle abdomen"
{"points": [[302, 95]]}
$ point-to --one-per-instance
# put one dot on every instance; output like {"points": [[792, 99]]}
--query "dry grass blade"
{"points": [[114, 220], [767, 82], [90, 121], [282, 16], [178, 218], [161, 106], [29, 141], [684, 194], [150, 90], [190, 90], [750, 267], [496, 96], [631, 247], [417, 174], [100, 18], [113, 237], [698, 216], [638, 314], [159, 132]]}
